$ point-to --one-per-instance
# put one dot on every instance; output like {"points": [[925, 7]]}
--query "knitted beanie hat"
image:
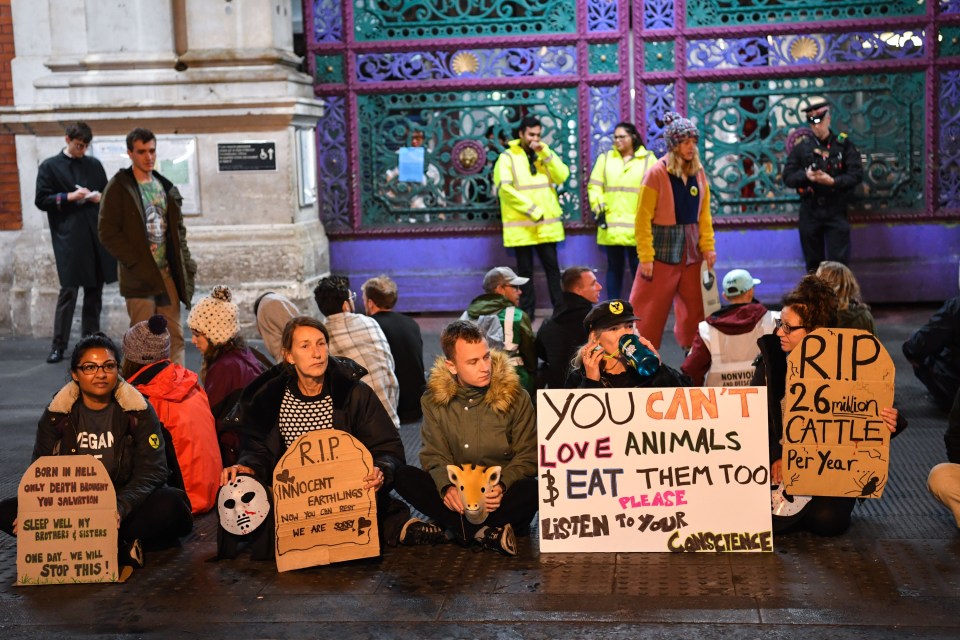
{"points": [[676, 129], [215, 317], [147, 341]]}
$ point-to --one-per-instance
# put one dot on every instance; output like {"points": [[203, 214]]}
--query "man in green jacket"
{"points": [[474, 413], [504, 324], [141, 225]]}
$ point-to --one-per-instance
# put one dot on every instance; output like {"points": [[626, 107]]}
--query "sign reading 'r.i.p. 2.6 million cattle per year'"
{"points": [[835, 442], [684, 469]]}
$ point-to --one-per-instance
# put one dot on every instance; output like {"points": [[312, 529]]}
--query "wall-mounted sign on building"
{"points": [[247, 156]]}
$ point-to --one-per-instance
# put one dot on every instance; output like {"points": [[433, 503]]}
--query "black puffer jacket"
{"points": [[356, 410], [139, 450]]}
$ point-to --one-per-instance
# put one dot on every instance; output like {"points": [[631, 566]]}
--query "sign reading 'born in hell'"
{"points": [[66, 522]]}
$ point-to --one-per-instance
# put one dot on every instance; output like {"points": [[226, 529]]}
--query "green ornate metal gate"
{"points": [[459, 75]]}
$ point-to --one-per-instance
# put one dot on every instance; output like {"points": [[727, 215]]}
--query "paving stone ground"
{"points": [[894, 574]]}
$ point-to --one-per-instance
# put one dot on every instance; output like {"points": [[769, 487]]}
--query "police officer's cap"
{"points": [[816, 112]]}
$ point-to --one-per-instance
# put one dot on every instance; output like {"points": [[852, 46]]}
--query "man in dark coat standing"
{"points": [[68, 189], [563, 332]]}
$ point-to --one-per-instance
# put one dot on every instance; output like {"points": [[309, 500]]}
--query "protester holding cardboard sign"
{"points": [[313, 390], [616, 355], [812, 304], [98, 413]]}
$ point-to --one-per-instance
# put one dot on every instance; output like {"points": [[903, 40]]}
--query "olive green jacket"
{"points": [[493, 425], [123, 231]]}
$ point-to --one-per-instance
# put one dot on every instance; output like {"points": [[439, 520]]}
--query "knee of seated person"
{"points": [[939, 476]]}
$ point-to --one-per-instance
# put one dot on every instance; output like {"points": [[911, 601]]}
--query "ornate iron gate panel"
{"points": [[456, 78]]}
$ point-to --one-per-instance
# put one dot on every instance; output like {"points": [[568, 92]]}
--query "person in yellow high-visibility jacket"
{"points": [[526, 177], [613, 190]]}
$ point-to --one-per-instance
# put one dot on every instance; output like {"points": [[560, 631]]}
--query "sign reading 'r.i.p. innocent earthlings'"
{"points": [[834, 440], [323, 513]]}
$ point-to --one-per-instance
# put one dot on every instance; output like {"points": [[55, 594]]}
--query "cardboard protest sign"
{"points": [[683, 469], [323, 513], [66, 522], [709, 289], [834, 441]]}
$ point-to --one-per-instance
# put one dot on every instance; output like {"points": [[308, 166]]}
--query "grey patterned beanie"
{"points": [[676, 129], [147, 341]]}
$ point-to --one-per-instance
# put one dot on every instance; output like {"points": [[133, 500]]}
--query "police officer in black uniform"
{"points": [[824, 171]]}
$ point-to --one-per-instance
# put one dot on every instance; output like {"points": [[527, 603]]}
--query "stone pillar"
{"points": [[220, 71]]}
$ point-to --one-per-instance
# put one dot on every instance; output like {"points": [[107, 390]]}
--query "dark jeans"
{"points": [[551, 268], [617, 257], [823, 516], [824, 228], [89, 315], [517, 508], [162, 518]]}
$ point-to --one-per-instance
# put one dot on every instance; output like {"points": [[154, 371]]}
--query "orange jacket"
{"points": [[183, 408]]}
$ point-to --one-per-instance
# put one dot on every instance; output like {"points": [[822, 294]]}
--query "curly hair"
{"points": [[330, 293], [815, 301]]}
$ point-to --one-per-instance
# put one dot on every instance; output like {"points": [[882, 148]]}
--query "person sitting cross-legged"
{"points": [[474, 413]]}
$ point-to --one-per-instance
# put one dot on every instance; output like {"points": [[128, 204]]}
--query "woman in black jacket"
{"points": [[811, 305], [98, 413], [312, 390], [600, 363]]}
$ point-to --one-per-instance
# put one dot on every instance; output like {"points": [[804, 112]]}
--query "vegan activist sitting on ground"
{"points": [[474, 413], [181, 404], [723, 352], [498, 314], [406, 343], [603, 361], [99, 414], [852, 313], [228, 364], [313, 390], [811, 305], [359, 338], [562, 333]]}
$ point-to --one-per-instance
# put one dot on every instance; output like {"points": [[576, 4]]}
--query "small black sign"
{"points": [[247, 156]]}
